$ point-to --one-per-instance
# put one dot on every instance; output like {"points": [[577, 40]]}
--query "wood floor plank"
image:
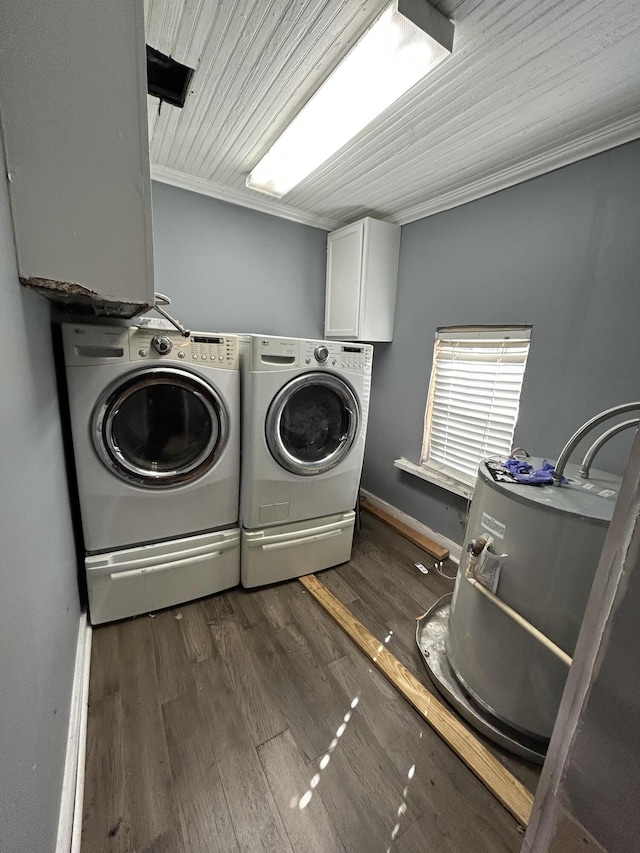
{"points": [[204, 815], [424, 542], [441, 781], [373, 583], [384, 622], [506, 788], [310, 829], [382, 546], [425, 835], [398, 729], [450, 827], [275, 602], [482, 825], [338, 585], [104, 809], [256, 820], [309, 699], [245, 605], [361, 828], [259, 706], [151, 812], [169, 842], [377, 776], [195, 632], [219, 606], [172, 662], [104, 674], [313, 629]]}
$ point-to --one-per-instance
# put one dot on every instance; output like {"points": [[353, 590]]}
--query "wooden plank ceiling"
{"points": [[531, 85]]}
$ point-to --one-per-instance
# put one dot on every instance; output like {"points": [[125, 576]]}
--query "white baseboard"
{"points": [[70, 820], [455, 550]]}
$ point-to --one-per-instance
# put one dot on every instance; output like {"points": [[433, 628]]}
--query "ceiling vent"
{"points": [[167, 79]]}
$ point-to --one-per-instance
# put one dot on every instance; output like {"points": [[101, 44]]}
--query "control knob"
{"points": [[162, 344], [321, 353]]}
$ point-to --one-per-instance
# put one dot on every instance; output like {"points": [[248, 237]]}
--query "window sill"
{"points": [[432, 475]]}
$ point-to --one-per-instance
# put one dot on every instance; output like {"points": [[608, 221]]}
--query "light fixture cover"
{"points": [[390, 58]]}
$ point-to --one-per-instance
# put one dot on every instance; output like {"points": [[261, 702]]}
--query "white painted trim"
{"points": [[438, 478], [455, 550], [570, 151], [602, 139], [261, 203], [70, 818]]}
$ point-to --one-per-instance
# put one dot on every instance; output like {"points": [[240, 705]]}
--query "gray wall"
{"points": [[228, 268], [39, 608], [561, 252]]}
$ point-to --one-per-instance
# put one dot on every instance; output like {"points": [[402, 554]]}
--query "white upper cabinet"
{"points": [[362, 277], [74, 119]]}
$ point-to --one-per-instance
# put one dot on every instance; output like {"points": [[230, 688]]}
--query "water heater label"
{"points": [[496, 527]]}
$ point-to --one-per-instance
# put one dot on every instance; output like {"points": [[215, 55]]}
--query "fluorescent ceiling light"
{"points": [[405, 42]]}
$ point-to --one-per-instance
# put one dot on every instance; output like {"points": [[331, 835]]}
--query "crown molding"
{"points": [[261, 203], [603, 139], [564, 154]]}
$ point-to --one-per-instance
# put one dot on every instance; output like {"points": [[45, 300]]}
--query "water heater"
{"points": [[500, 647]]}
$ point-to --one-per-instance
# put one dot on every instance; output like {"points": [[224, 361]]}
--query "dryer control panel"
{"points": [[205, 349], [263, 352], [355, 357]]}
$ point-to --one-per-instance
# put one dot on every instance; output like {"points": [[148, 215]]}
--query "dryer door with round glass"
{"points": [[312, 423], [160, 427]]}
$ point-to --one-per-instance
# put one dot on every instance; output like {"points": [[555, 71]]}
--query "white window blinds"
{"points": [[474, 396]]}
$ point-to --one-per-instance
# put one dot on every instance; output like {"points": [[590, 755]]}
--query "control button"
{"points": [[203, 357], [181, 354], [321, 353], [142, 352], [344, 364], [195, 356], [307, 360], [220, 358], [162, 344], [333, 361]]}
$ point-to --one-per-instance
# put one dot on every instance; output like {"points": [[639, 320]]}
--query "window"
{"points": [[474, 397]]}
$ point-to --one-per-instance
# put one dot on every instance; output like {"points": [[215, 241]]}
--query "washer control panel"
{"points": [[353, 357], [321, 353], [162, 344], [201, 348]]}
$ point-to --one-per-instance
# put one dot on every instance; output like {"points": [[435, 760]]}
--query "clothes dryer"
{"points": [[305, 412], [155, 423]]}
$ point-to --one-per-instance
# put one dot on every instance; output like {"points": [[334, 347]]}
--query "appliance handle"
{"points": [[297, 535], [162, 567], [301, 540], [111, 565], [524, 623]]}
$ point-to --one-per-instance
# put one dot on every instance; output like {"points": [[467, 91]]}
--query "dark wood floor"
{"points": [[210, 724]]}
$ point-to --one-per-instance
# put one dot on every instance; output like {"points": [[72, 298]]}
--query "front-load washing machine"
{"points": [[155, 423], [305, 410]]}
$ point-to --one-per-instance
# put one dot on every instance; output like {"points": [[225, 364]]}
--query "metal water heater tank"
{"points": [[551, 538], [500, 647]]}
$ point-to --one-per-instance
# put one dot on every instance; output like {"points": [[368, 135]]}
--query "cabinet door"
{"points": [[344, 280]]}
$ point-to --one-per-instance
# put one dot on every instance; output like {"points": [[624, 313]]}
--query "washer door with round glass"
{"points": [[312, 423], [160, 427]]}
